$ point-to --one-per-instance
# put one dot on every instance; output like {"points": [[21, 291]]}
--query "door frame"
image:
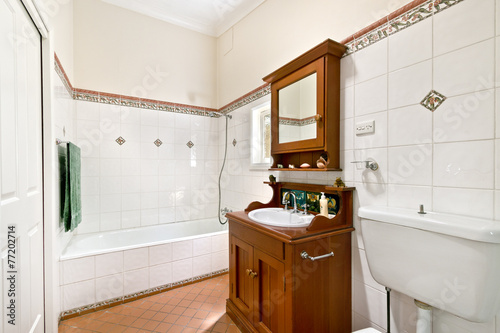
{"points": [[51, 297]]}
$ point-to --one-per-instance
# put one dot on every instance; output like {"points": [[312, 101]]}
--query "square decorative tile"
{"points": [[158, 143], [433, 100], [120, 140], [190, 144]]}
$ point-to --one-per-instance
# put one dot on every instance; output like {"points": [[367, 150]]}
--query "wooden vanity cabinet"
{"points": [[273, 289], [251, 291]]}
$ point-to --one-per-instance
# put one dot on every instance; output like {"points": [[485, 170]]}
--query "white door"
{"points": [[21, 201]]}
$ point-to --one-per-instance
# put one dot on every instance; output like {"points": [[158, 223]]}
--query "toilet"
{"points": [[367, 330]]}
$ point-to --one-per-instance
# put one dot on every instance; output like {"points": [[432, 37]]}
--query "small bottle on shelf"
{"points": [[323, 205]]}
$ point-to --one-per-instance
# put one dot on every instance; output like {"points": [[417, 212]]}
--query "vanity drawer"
{"points": [[260, 241]]}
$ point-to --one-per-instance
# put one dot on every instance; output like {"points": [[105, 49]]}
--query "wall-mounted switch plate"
{"points": [[365, 127]]}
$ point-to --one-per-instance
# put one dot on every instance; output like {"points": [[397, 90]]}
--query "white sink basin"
{"points": [[279, 218]]}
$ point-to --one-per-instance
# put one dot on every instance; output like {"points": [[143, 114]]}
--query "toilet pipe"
{"points": [[424, 317], [388, 294]]}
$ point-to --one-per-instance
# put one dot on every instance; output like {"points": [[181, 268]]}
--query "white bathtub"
{"points": [[109, 241], [99, 269]]}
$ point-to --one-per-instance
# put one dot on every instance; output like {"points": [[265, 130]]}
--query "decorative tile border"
{"points": [[255, 94], [414, 12], [130, 101], [297, 122], [135, 296], [408, 15], [440, 5], [62, 74]]}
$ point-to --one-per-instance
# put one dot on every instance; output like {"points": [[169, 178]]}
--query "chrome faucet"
{"points": [[286, 202], [305, 212]]}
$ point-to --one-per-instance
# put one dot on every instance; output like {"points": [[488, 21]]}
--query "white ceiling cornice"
{"points": [[210, 17]]}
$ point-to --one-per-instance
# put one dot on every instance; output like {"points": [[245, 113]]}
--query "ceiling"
{"points": [[211, 17]]}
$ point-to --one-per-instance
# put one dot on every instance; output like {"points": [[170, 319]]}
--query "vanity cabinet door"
{"points": [[269, 293], [242, 284]]}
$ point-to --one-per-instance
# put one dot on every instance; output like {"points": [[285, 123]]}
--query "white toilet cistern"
{"points": [[443, 261]]}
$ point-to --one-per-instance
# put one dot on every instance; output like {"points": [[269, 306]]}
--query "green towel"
{"points": [[71, 201]]}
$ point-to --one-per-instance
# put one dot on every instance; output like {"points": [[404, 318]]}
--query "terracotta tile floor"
{"points": [[199, 307]]}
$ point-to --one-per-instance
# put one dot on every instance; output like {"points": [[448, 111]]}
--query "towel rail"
{"points": [[59, 141], [305, 255]]}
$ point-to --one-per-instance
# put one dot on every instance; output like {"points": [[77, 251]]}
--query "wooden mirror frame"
{"points": [[311, 144]]}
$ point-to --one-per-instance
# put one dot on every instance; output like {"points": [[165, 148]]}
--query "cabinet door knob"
{"points": [[251, 273], [317, 117]]}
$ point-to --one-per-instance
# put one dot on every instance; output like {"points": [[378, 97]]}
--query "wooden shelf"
{"points": [[304, 169], [310, 187], [340, 189]]}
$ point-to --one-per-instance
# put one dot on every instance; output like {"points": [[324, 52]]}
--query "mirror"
{"points": [[297, 110], [305, 110]]}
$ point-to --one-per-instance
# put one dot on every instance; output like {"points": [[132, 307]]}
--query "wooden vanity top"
{"points": [[292, 235], [320, 226]]}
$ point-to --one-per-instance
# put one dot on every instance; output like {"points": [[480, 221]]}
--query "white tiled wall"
{"points": [[64, 128], [241, 183], [98, 278], [138, 184], [448, 160]]}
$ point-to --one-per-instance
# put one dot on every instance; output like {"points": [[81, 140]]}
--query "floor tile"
{"points": [[199, 307]]}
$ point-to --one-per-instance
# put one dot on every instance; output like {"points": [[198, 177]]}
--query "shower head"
{"points": [[213, 114]]}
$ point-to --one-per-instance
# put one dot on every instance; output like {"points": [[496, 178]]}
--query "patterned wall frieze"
{"points": [[130, 101], [414, 12], [260, 92], [296, 122], [408, 15], [62, 74]]}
